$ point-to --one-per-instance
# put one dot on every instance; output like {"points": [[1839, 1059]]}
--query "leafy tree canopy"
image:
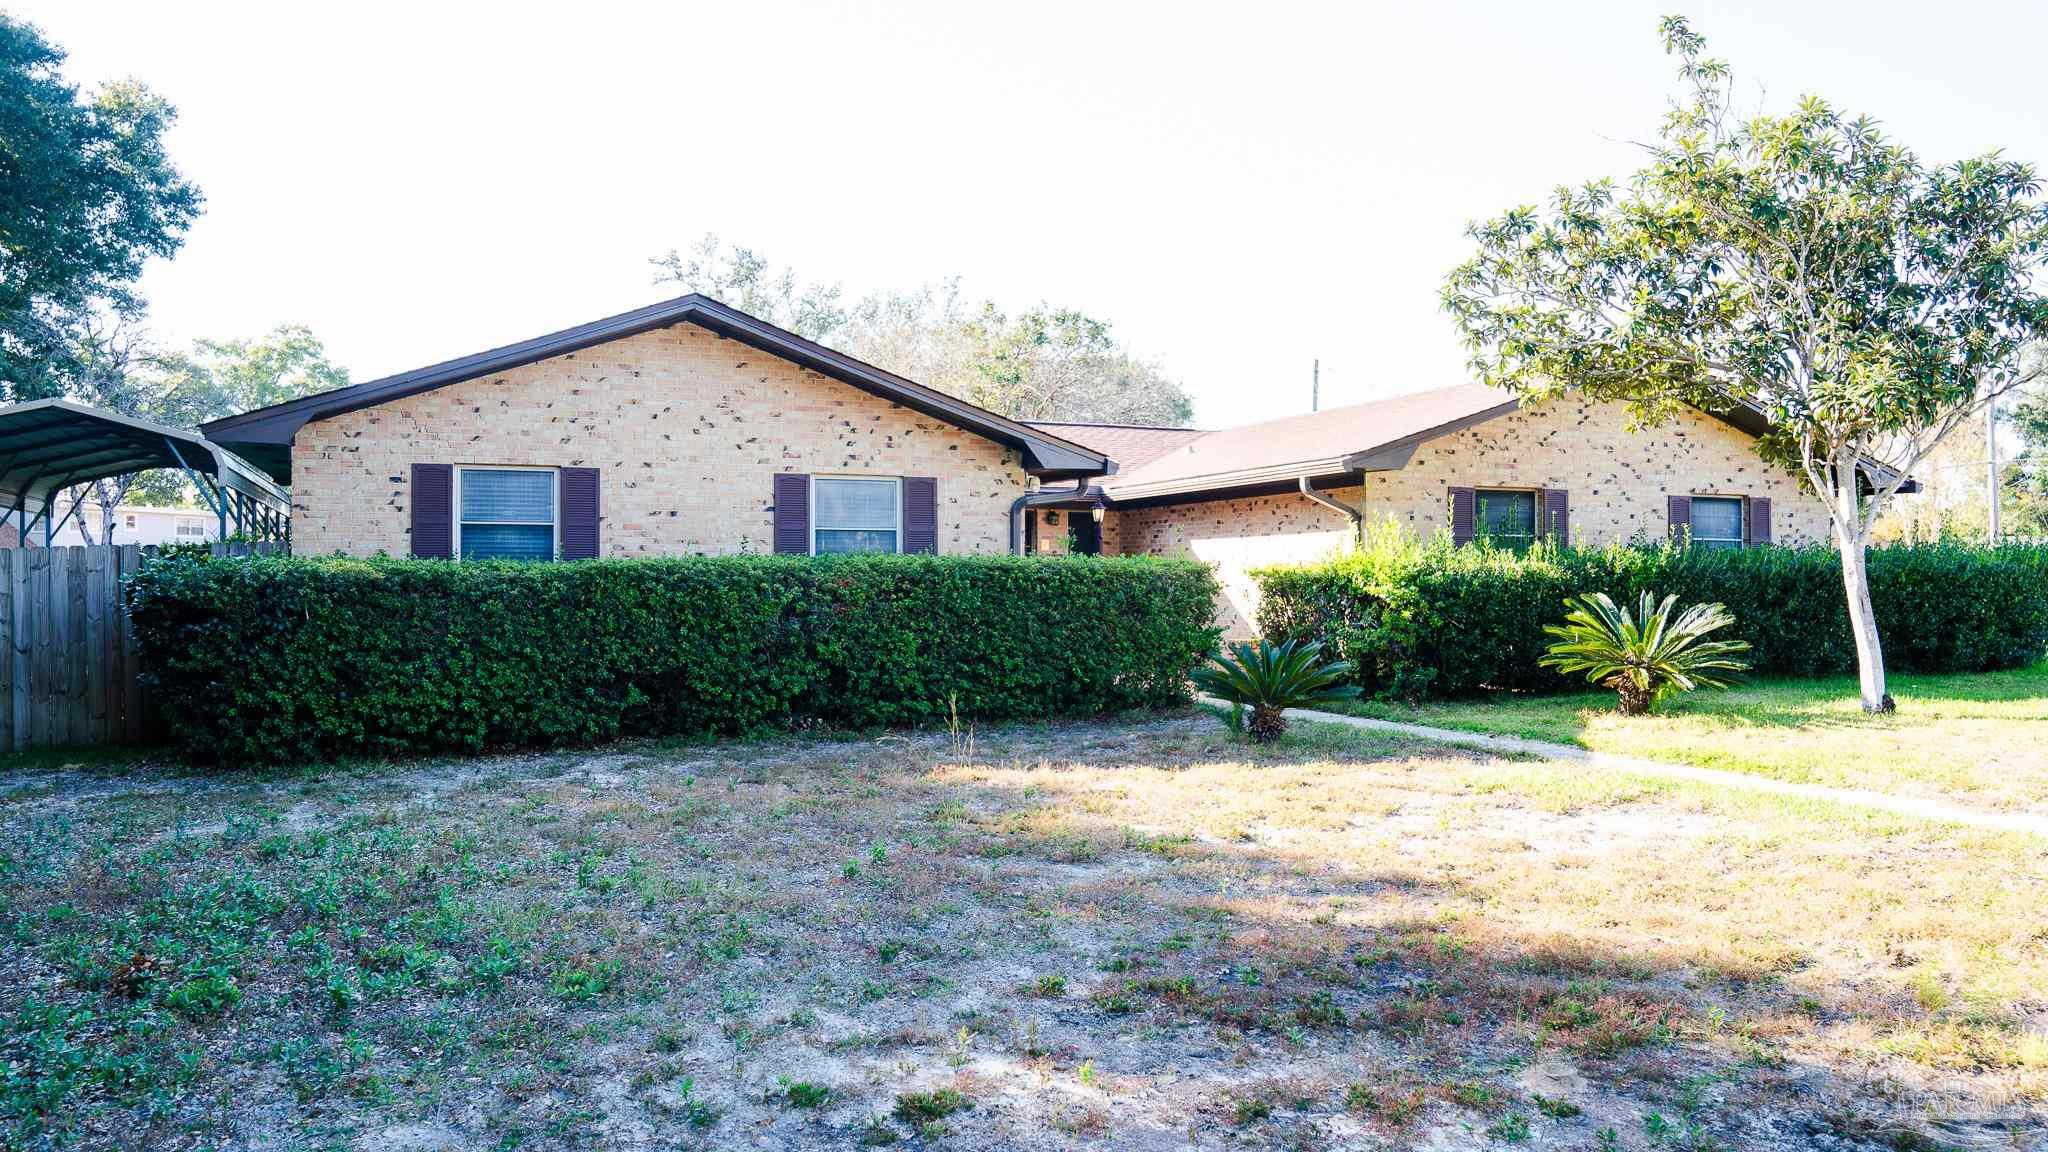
{"points": [[87, 194], [120, 371], [1801, 265], [1041, 364]]}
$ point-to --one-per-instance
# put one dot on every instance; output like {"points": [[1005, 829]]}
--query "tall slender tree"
{"points": [[1800, 265]]}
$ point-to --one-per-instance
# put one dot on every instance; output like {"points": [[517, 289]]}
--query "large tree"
{"points": [[119, 370], [87, 194], [1044, 363], [1801, 265]]}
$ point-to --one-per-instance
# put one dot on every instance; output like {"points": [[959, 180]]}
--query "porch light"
{"points": [[1097, 513]]}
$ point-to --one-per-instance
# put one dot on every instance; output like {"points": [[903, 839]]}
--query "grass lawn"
{"points": [[1979, 738], [1130, 934]]}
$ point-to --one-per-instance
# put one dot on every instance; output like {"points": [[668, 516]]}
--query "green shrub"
{"points": [[1271, 678], [272, 659], [1429, 619]]}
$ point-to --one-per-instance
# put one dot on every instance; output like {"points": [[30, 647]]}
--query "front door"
{"points": [[1087, 533]]}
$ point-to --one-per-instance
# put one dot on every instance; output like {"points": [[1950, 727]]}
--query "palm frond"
{"points": [[1272, 677], [1645, 654]]}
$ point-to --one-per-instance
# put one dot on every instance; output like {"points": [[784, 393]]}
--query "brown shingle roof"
{"points": [[1313, 443], [1130, 445]]}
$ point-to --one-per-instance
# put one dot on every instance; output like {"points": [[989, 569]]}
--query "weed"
{"points": [[1513, 1128], [803, 1093], [918, 1109], [586, 978]]}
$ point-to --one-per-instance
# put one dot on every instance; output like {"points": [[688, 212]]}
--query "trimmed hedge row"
{"points": [[1433, 620], [275, 659]]}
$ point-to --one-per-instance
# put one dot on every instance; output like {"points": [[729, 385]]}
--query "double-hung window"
{"points": [[1504, 518], [1717, 521], [856, 514], [505, 513]]}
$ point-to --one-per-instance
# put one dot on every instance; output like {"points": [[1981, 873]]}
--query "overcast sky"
{"points": [[1239, 188]]}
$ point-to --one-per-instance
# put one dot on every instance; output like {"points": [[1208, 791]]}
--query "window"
{"points": [[1506, 519], [506, 513], [187, 526], [131, 520], [1717, 521], [849, 515]]}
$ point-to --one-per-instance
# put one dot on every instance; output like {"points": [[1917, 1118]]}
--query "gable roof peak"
{"points": [[264, 435]]}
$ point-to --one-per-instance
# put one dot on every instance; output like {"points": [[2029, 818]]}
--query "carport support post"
{"points": [[214, 499]]}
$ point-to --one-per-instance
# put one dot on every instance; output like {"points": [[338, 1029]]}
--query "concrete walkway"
{"points": [[1938, 810]]}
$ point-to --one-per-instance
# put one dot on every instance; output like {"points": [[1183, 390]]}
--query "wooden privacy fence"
{"points": [[68, 665]]}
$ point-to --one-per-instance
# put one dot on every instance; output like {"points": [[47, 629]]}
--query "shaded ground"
{"points": [[1138, 935], [1977, 738]]}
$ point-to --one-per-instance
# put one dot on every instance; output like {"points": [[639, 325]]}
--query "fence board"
{"points": [[68, 667], [77, 650], [20, 640], [7, 653], [45, 606], [99, 714]]}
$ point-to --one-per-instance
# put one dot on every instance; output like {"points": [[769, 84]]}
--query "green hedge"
{"points": [[1434, 620], [277, 659]]}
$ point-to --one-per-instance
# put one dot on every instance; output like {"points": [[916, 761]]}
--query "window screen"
{"points": [[1717, 521], [508, 514], [854, 515], [1508, 519]]}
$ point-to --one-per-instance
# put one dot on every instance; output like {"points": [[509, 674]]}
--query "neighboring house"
{"points": [[688, 427], [133, 524]]}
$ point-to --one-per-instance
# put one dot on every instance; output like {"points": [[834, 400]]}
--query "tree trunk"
{"points": [[1851, 540]]}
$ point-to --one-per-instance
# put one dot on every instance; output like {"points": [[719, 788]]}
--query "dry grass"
{"points": [[1078, 936]]}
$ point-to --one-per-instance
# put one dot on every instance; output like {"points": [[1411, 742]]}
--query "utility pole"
{"points": [[1315, 385], [1991, 452]]}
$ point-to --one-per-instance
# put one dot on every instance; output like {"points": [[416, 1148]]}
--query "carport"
{"points": [[46, 446]]}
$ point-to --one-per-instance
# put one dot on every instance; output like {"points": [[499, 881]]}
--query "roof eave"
{"points": [[1241, 478], [1044, 454]]}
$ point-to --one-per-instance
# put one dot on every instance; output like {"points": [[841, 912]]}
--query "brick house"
{"points": [[689, 427]]}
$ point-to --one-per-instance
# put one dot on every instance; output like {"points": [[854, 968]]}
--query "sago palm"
{"points": [[1647, 654], [1270, 678]]}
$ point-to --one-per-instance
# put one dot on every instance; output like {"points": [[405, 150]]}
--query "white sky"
{"points": [[1239, 188]]}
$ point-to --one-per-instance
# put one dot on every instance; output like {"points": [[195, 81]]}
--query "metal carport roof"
{"points": [[47, 446]]}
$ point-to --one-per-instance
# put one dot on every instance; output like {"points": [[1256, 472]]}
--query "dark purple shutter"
{"points": [[1756, 526], [1681, 517], [1461, 515], [793, 513], [579, 513], [1557, 516], [920, 514], [433, 511]]}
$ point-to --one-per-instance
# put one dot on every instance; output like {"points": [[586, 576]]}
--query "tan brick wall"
{"points": [[1235, 536], [1617, 479], [687, 429]]}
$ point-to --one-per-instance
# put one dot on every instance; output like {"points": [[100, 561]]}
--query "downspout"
{"points": [[1356, 516], [1017, 524], [1017, 510]]}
